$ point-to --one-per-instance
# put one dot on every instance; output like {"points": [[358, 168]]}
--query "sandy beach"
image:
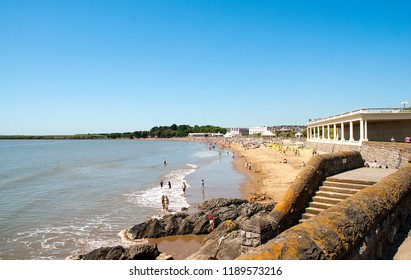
{"points": [[272, 171]]}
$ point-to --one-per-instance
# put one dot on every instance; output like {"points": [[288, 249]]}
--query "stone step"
{"points": [[333, 195], [329, 200], [332, 192], [307, 216], [320, 205], [351, 181], [338, 190], [313, 210], [345, 185]]}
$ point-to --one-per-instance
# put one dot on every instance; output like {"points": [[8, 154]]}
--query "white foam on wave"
{"points": [[79, 236], [127, 241], [151, 197], [205, 154]]}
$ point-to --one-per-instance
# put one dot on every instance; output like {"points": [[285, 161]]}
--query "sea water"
{"points": [[66, 197]]}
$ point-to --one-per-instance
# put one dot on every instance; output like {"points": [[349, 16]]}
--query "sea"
{"points": [[60, 198]]}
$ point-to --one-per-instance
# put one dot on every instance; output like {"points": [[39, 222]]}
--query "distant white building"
{"points": [[257, 130], [234, 131]]}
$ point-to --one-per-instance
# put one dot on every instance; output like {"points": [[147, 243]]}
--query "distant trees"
{"points": [[165, 132], [177, 131], [156, 132]]}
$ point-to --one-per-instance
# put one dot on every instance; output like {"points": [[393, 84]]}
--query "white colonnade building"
{"points": [[355, 127]]}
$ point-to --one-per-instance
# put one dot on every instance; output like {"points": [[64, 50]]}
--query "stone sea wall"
{"points": [[360, 227], [391, 154], [290, 209]]}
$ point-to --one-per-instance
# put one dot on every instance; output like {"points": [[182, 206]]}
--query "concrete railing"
{"points": [[359, 227]]}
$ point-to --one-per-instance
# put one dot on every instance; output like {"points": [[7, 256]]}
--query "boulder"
{"points": [[135, 252], [231, 218], [221, 209]]}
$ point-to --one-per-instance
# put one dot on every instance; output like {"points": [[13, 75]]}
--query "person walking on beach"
{"points": [[184, 188], [169, 184]]}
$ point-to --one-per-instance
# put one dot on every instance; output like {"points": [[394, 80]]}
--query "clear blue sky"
{"points": [[123, 65]]}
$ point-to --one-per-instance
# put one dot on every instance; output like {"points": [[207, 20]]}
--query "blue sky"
{"points": [[84, 66]]}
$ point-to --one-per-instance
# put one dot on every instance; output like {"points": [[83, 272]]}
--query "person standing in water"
{"points": [[163, 202], [166, 202], [169, 184], [202, 184], [161, 184], [184, 188]]}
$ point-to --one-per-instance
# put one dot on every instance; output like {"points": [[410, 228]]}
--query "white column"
{"points": [[361, 130], [335, 132], [328, 132], [351, 131], [323, 132], [366, 130], [342, 132]]}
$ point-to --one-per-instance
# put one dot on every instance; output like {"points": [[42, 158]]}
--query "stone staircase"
{"points": [[331, 193]]}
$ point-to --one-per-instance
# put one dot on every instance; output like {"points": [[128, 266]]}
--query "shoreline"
{"points": [[269, 178]]}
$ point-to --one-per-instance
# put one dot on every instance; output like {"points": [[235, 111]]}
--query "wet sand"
{"points": [[179, 246]]}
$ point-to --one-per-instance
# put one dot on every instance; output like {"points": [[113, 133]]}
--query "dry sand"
{"points": [[269, 175]]}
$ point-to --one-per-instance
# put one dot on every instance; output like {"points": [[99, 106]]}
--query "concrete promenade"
{"points": [[365, 174], [400, 249]]}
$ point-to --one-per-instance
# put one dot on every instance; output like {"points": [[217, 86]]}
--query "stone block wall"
{"points": [[359, 227], [393, 155]]}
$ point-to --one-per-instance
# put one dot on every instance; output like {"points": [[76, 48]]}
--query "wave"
{"points": [[151, 197]]}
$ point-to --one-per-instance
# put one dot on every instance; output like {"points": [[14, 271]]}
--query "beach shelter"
{"points": [[228, 135], [267, 134], [299, 135]]}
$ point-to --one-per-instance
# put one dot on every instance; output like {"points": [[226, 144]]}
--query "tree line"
{"points": [[169, 131], [156, 132]]}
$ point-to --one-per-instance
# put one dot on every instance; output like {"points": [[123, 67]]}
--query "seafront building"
{"points": [[379, 134], [356, 127]]}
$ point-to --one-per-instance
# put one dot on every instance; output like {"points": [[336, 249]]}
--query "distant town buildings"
{"points": [[280, 130], [257, 130], [237, 131]]}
